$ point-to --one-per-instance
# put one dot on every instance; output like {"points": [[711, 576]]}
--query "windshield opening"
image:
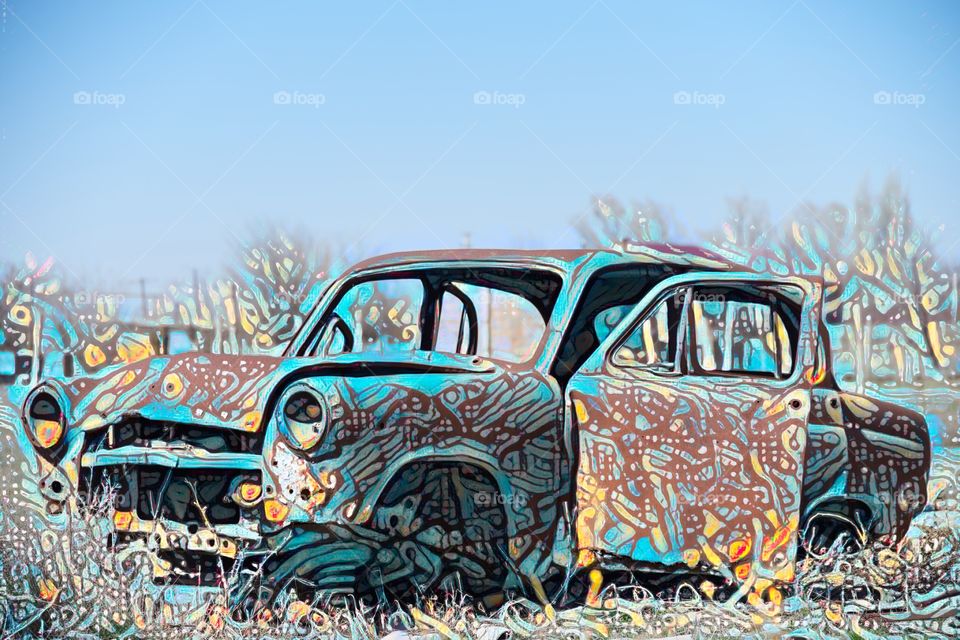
{"points": [[499, 313]]}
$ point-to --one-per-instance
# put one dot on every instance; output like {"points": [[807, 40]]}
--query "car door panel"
{"points": [[696, 471]]}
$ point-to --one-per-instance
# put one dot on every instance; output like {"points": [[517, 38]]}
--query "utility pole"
{"points": [[196, 290], [143, 298], [236, 315], [195, 319]]}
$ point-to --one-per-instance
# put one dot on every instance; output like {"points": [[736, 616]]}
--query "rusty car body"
{"points": [[501, 417]]}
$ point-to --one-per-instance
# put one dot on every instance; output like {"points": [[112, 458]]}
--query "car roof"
{"points": [[661, 253]]}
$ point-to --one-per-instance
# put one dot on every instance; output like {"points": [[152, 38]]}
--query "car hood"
{"points": [[222, 390]]}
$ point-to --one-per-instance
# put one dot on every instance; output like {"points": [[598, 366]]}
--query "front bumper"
{"points": [[171, 457]]}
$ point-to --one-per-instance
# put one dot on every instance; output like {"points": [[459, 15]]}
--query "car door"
{"points": [[690, 422]]}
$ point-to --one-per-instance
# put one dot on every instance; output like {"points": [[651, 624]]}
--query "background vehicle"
{"points": [[497, 418]]}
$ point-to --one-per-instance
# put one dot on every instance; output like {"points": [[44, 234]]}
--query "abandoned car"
{"points": [[499, 418]]}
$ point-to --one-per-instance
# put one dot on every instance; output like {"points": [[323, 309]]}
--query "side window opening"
{"points": [[656, 342], [381, 316], [506, 326], [457, 325], [748, 331]]}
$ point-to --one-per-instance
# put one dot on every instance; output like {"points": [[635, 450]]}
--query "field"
{"points": [[60, 580], [891, 309]]}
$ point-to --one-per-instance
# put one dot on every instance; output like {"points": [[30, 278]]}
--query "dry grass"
{"points": [[59, 580]]}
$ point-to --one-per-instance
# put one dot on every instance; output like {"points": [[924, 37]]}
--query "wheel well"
{"points": [[498, 486], [408, 475], [844, 507], [443, 521], [839, 516]]}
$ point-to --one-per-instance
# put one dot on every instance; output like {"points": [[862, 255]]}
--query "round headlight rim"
{"points": [[57, 393], [283, 420]]}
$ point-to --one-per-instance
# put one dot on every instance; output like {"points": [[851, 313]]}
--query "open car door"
{"points": [[690, 423]]}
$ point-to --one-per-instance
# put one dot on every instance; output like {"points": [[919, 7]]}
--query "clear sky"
{"points": [[143, 139]]}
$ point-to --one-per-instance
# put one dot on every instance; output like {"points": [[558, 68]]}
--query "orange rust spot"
{"points": [[217, 618], [774, 596], [249, 491], [251, 421], [122, 520], [739, 549], [815, 375], [834, 613], [708, 589], [297, 610], [275, 511], [743, 571], [172, 385], [779, 539], [585, 558], [48, 590], [786, 574], [48, 432], [93, 355], [596, 581]]}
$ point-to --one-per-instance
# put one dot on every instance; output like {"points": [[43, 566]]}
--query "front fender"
{"points": [[507, 422]]}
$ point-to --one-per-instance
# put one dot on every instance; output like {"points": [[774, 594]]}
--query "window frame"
{"points": [[426, 306], [314, 329], [469, 314], [453, 286], [680, 356], [693, 362], [685, 362], [654, 273]]}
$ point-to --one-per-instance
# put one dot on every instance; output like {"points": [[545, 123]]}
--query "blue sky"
{"points": [[145, 139]]}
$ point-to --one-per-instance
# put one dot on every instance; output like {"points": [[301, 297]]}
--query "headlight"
{"points": [[303, 420], [44, 418]]}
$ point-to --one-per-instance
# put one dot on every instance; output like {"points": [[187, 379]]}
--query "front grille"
{"points": [[143, 433], [191, 497], [174, 485], [197, 497]]}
